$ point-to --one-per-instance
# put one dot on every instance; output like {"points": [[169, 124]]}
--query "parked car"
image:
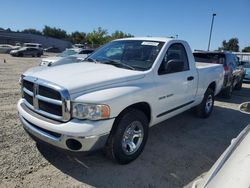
{"points": [[26, 51], [246, 66], [123, 88], [231, 170], [234, 74], [75, 51], [34, 45], [63, 61], [79, 45], [80, 54], [83, 54], [52, 49], [6, 48]]}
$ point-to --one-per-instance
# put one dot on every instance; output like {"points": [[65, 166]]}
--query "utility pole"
{"points": [[211, 29]]}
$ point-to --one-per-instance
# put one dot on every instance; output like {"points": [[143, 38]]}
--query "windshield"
{"points": [[130, 54], [217, 58], [67, 53], [23, 48]]}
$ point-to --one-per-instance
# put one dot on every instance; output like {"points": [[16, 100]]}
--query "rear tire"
{"points": [[238, 86], [228, 92], [127, 140], [205, 108]]}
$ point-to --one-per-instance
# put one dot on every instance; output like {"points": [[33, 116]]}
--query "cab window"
{"points": [[175, 60]]}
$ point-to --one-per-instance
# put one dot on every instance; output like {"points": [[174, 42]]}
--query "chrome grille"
{"points": [[46, 98]]}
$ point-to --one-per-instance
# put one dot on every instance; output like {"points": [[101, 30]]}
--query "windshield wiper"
{"points": [[117, 63], [91, 59], [111, 62]]}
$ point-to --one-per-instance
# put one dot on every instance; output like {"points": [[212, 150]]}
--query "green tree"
{"points": [[246, 49], [32, 31], [119, 35], [54, 32], [78, 37], [98, 36], [231, 45]]}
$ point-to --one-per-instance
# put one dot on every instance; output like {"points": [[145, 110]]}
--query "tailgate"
{"points": [[206, 65]]}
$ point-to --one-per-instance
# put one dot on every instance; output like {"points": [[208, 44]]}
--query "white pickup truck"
{"points": [[111, 100]]}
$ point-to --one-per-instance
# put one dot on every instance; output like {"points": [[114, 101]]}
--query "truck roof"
{"points": [[160, 39], [212, 52]]}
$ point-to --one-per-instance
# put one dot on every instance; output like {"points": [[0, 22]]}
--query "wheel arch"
{"points": [[142, 106], [212, 86]]}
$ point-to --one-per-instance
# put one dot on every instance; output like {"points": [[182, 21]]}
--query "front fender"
{"points": [[118, 98]]}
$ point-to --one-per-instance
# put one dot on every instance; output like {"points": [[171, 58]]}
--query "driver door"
{"points": [[176, 87]]}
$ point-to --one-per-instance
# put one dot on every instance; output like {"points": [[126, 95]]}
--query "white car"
{"points": [[34, 45], [232, 169], [123, 88], [62, 61], [6, 48], [78, 53]]}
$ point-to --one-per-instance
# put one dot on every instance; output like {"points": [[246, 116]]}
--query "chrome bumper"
{"points": [[90, 143]]}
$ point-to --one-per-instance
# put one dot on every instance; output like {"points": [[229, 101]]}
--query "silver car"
{"points": [[26, 51], [68, 56], [62, 61]]}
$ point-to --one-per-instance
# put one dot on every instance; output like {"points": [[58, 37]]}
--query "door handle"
{"points": [[190, 78]]}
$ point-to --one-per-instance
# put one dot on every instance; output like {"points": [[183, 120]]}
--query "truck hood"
{"points": [[82, 77]]}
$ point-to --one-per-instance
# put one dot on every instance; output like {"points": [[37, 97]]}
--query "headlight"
{"points": [[21, 85], [45, 63], [90, 111], [21, 80]]}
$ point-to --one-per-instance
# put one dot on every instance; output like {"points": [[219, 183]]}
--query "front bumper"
{"points": [[75, 135]]}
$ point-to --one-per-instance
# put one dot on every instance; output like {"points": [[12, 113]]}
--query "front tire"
{"points": [[127, 140], [205, 108]]}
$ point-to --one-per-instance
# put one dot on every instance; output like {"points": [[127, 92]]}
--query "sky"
{"points": [[189, 19]]}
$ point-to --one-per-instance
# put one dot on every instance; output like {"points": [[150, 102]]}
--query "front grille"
{"points": [[46, 98], [28, 98], [50, 108], [28, 85], [50, 93]]}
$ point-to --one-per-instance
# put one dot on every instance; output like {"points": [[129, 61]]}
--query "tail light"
{"points": [[226, 68]]}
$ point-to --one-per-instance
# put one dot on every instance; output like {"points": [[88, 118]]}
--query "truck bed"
{"points": [[206, 65], [208, 72]]}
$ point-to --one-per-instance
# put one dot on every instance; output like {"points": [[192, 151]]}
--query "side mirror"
{"points": [[174, 65], [245, 107]]}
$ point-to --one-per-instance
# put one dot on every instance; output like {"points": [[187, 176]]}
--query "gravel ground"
{"points": [[178, 150]]}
